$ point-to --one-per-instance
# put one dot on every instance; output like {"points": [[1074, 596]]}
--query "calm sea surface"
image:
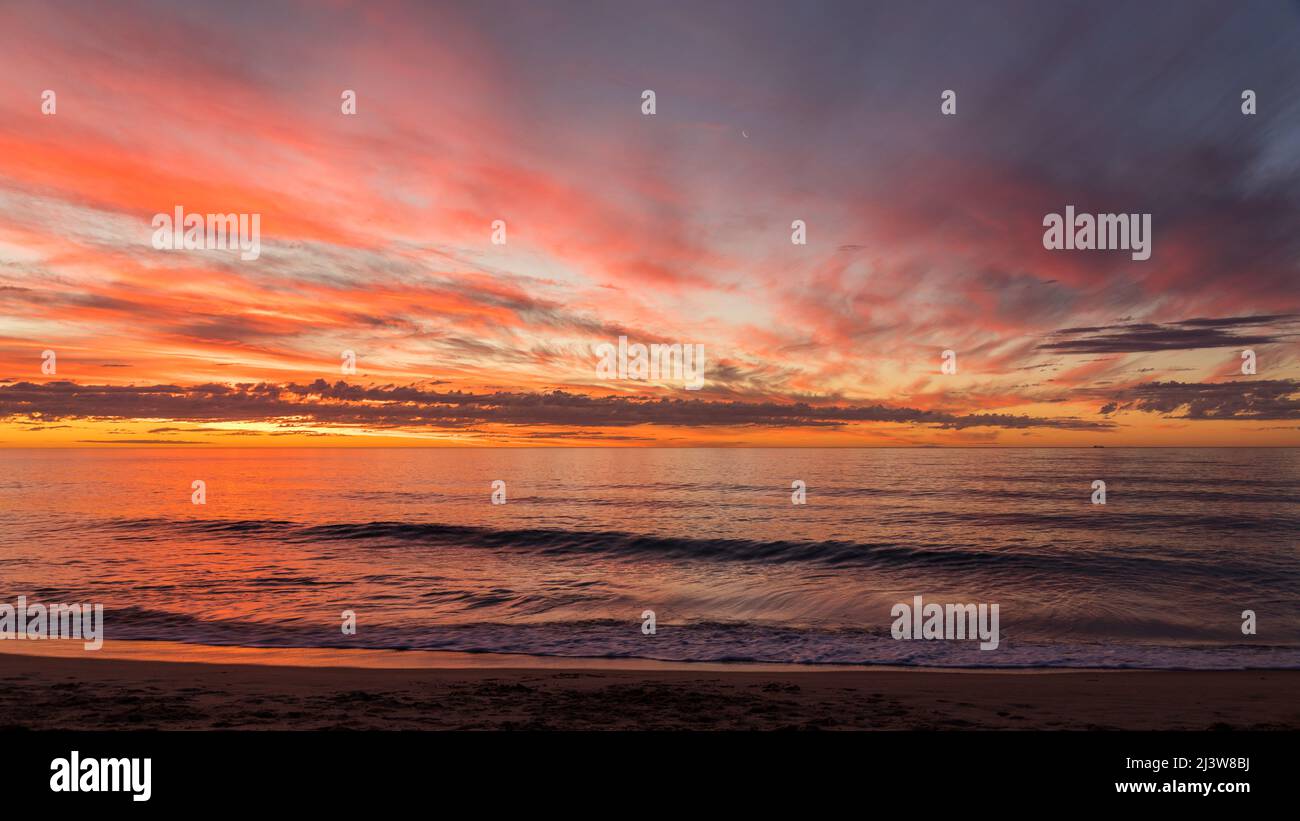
{"points": [[706, 538]]}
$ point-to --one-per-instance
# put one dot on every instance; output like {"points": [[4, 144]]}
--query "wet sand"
{"points": [[90, 692]]}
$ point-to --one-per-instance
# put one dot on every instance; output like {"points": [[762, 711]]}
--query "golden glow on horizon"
{"points": [[138, 433]]}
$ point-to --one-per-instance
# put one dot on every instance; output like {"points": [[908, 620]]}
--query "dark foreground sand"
{"points": [[112, 694]]}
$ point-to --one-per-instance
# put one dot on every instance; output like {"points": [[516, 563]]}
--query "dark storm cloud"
{"points": [[1245, 399], [341, 403], [1186, 335]]}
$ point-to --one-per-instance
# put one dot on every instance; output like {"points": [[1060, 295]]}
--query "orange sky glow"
{"points": [[924, 235]]}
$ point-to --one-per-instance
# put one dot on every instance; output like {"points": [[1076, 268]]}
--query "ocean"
{"points": [[708, 539]]}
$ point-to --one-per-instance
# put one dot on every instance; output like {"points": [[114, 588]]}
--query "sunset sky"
{"points": [[924, 231]]}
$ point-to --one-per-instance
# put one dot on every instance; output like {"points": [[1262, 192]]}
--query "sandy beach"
{"points": [[126, 691]]}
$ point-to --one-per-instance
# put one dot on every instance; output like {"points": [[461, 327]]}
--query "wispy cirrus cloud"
{"points": [[924, 230]]}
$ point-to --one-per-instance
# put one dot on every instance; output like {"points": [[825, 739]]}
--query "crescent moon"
{"points": [[743, 134]]}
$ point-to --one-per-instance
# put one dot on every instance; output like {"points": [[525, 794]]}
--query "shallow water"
{"points": [[706, 538]]}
